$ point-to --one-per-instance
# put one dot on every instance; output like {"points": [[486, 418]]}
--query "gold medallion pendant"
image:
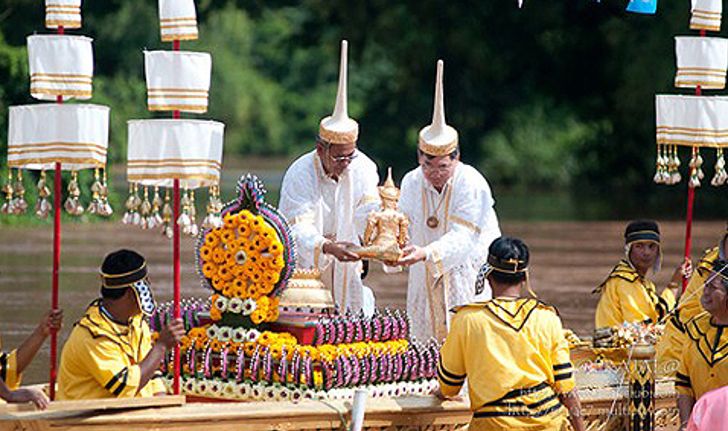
{"points": [[432, 222]]}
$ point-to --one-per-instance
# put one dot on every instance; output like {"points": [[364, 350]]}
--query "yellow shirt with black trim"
{"points": [[669, 347], [704, 363], [101, 359], [628, 297], [516, 359], [9, 370]]}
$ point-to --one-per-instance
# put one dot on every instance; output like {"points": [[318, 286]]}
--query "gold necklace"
{"points": [[432, 221]]}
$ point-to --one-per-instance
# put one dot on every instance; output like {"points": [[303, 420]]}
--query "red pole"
{"points": [[57, 182], [175, 258], [691, 204]]}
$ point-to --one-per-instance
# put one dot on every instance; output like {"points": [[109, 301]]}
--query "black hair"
{"points": [[721, 266], [452, 155], [504, 248]]}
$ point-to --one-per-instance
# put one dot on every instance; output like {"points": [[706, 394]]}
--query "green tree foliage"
{"points": [[554, 95]]}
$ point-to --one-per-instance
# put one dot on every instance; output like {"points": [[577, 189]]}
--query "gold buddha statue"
{"points": [[387, 229]]}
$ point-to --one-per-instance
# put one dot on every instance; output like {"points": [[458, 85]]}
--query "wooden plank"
{"points": [[96, 404]]}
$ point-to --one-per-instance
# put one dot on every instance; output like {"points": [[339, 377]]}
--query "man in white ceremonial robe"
{"points": [[326, 196], [452, 223]]}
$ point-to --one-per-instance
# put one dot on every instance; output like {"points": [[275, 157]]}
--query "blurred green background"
{"points": [[554, 102]]}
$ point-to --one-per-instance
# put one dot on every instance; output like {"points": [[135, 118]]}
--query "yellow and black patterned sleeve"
{"points": [[104, 361], [683, 384], [9, 369], [563, 371], [451, 365]]}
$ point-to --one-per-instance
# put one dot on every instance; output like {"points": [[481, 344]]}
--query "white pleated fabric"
{"points": [[76, 135], [65, 13], [177, 20], [695, 121], [177, 80], [706, 14], [60, 65], [701, 61], [160, 151]]}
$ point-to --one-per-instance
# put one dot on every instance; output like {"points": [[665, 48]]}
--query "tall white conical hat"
{"points": [[438, 139], [339, 128]]}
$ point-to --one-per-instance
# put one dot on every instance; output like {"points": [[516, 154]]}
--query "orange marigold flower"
{"points": [[257, 317], [275, 249], [218, 283], [265, 288], [212, 239], [249, 348], [215, 313], [209, 270], [229, 290], [227, 236], [205, 252], [216, 345], [279, 263], [230, 220], [244, 231], [257, 223], [225, 273], [218, 256]]}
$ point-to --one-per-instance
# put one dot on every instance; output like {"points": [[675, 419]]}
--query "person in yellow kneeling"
{"points": [[704, 362], [109, 353], [512, 351], [12, 364], [669, 347], [627, 295]]}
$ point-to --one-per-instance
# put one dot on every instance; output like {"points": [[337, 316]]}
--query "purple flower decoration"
{"points": [[376, 328], [319, 334], [330, 332], [206, 364], [364, 371], [349, 327], [308, 371], [358, 330], [224, 360], [283, 366], [255, 364], [240, 366], [328, 375], [367, 326], [296, 368], [268, 366], [340, 331]]}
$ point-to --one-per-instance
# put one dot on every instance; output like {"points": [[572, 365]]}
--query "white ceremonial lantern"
{"points": [[706, 15], [76, 135], [60, 65], [161, 150], [692, 120], [177, 80], [701, 61], [177, 20], [63, 13]]}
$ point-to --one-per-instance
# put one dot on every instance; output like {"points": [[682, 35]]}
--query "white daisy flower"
{"points": [[235, 305], [190, 387], [215, 388], [221, 303], [224, 334], [253, 335], [239, 335], [203, 387], [309, 394], [296, 395], [270, 393], [212, 331], [257, 392], [321, 395], [243, 391], [229, 390], [249, 306]]}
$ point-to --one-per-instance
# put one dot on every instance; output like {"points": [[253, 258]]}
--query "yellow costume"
{"points": [[704, 365], [516, 359], [669, 347], [101, 358], [628, 297], [9, 370]]}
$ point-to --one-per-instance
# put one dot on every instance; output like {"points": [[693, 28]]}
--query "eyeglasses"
{"points": [[342, 159]]}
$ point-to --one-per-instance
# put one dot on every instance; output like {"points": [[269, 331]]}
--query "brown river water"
{"points": [[569, 259]]}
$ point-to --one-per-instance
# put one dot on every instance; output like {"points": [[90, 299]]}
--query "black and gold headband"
{"points": [[508, 266], [642, 235], [118, 281]]}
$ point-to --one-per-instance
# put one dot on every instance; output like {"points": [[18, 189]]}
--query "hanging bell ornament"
{"points": [[105, 209], [213, 219], [145, 210], [184, 220], [7, 207], [131, 216], [155, 219], [20, 206], [696, 173], [73, 204], [95, 206], [43, 206], [168, 230], [720, 176], [675, 176]]}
